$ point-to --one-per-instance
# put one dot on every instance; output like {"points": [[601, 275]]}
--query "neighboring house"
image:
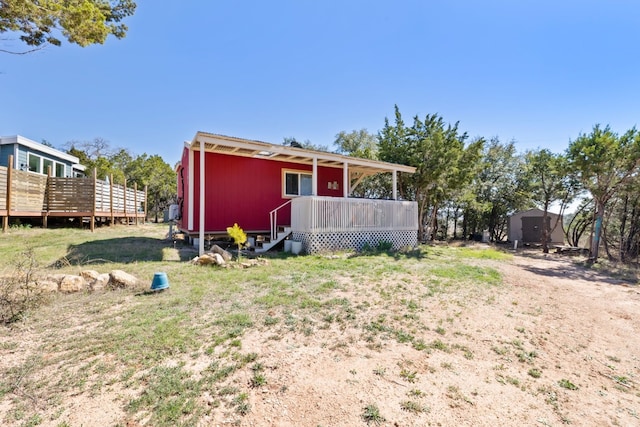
{"points": [[35, 157], [526, 227], [40, 182], [285, 191]]}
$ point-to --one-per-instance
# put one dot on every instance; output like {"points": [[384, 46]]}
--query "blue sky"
{"points": [[538, 72]]}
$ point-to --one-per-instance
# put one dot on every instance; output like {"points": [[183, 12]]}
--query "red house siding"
{"points": [[244, 190], [183, 190]]}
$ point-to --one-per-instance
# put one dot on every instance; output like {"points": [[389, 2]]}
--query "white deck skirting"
{"points": [[313, 243], [330, 223]]}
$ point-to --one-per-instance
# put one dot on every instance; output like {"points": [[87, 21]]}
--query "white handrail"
{"points": [[273, 218]]}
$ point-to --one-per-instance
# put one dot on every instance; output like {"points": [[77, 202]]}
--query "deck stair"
{"points": [[264, 243]]}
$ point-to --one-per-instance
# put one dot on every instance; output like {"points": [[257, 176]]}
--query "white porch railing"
{"points": [[334, 214], [273, 219]]}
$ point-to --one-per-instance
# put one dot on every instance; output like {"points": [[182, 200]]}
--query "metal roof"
{"points": [[233, 146], [26, 142]]}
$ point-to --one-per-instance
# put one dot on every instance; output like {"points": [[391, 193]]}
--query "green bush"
{"points": [[380, 247], [20, 292]]}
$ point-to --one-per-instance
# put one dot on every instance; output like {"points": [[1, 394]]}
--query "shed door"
{"points": [[532, 228]]}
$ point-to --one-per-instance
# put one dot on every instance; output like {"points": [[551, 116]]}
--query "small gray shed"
{"points": [[526, 227]]}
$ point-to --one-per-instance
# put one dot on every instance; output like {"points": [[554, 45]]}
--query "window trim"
{"points": [[297, 172], [48, 162], [41, 160], [39, 168]]}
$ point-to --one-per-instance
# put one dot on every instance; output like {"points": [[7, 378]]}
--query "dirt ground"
{"points": [[573, 327], [556, 344]]}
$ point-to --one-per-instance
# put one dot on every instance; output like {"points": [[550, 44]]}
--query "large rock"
{"points": [[48, 285], [119, 279], [89, 275], [57, 277], [72, 283], [87, 280], [205, 259], [63, 283], [219, 259], [209, 258], [248, 263], [101, 282], [218, 250], [95, 281]]}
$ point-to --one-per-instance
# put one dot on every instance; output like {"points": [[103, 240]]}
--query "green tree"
{"points": [[82, 22], [81, 155], [549, 182], [364, 145], [443, 163], [159, 178], [121, 165], [89, 150], [499, 189], [578, 222], [357, 143], [626, 222], [392, 147], [97, 154], [120, 161], [463, 195], [106, 169], [307, 145], [605, 163]]}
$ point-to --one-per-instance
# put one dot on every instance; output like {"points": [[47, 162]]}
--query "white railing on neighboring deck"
{"points": [[334, 214], [273, 218]]}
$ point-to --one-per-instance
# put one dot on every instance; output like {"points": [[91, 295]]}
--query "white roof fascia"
{"points": [[21, 140], [294, 152]]}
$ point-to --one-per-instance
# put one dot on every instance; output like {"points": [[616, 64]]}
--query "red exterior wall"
{"points": [[244, 190]]}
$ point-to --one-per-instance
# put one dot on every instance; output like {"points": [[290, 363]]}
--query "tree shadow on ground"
{"points": [[571, 269], [124, 250]]}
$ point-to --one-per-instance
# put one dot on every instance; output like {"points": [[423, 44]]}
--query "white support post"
{"points": [[314, 177], [202, 175], [15, 158], [394, 184], [346, 182]]}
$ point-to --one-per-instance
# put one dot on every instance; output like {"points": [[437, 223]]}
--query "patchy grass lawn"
{"points": [[439, 335]]}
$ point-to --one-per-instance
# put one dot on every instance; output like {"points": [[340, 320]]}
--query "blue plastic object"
{"points": [[160, 282]]}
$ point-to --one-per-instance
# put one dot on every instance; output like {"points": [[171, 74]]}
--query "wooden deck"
{"points": [[337, 214], [325, 224], [27, 195]]}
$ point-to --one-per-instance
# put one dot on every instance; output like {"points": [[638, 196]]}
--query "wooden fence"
{"points": [[27, 194]]}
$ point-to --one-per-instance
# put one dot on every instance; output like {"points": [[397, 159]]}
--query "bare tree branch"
{"points": [[23, 52]]}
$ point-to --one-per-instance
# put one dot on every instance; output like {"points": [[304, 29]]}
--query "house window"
{"points": [[297, 184], [46, 164], [41, 165], [34, 163]]}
